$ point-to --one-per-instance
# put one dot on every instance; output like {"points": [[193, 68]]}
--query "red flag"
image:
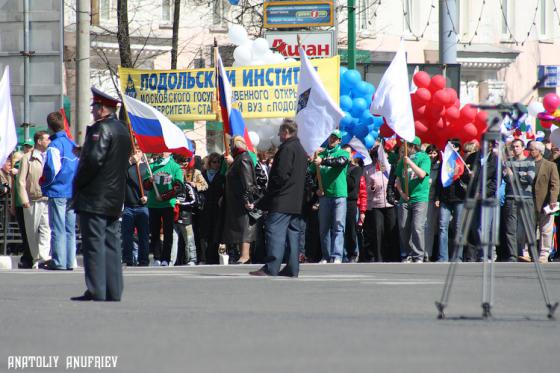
{"points": [[66, 125]]}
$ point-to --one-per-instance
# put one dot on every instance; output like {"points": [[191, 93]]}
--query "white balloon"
{"points": [[289, 60], [275, 141], [237, 34], [277, 58], [255, 139], [264, 144], [257, 62], [260, 47], [535, 108], [242, 55]]}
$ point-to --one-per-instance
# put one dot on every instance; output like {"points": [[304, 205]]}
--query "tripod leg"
{"points": [[460, 242]]}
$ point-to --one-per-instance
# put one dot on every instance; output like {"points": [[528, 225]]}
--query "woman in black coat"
{"points": [[238, 200], [211, 217]]}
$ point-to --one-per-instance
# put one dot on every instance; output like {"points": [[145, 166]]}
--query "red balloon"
{"points": [[469, 132], [440, 126], [551, 102], [420, 112], [423, 95], [468, 113], [452, 96], [452, 114], [435, 112], [421, 79], [437, 83], [386, 131], [546, 124], [420, 127], [440, 97], [457, 104], [482, 117]]}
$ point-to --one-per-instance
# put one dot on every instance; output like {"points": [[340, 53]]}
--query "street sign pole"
{"points": [[351, 34]]}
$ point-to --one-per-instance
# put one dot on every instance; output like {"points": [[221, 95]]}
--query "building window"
{"points": [[107, 9], [463, 17], [506, 26], [408, 19], [363, 14], [166, 11], [218, 15], [543, 24]]}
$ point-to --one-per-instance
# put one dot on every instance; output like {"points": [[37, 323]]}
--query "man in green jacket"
{"points": [[167, 182], [333, 163], [413, 206]]}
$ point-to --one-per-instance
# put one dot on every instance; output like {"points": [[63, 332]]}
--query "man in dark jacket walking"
{"points": [[99, 195], [284, 201]]}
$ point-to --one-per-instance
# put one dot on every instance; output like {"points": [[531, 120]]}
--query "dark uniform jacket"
{"points": [[100, 182], [286, 181]]}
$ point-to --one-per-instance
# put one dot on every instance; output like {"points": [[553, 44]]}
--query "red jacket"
{"points": [[362, 196]]}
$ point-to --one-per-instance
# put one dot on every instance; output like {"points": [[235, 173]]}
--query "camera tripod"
{"points": [[489, 206]]}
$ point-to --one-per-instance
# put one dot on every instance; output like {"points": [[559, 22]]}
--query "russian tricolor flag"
{"points": [[154, 132], [231, 117], [452, 166]]}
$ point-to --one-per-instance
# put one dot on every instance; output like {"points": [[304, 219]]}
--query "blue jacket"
{"points": [[60, 167]]}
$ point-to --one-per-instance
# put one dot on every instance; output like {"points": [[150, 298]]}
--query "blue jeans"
{"points": [[62, 221], [282, 232], [139, 218], [332, 221], [445, 212]]}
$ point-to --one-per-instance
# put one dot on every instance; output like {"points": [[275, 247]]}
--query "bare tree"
{"points": [[175, 37], [123, 36]]}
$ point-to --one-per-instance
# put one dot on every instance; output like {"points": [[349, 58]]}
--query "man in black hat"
{"points": [[99, 195]]}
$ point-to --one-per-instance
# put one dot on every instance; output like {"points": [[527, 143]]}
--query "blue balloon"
{"points": [[369, 140], [370, 89], [345, 90], [361, 131], [346, 103], [371, 127], [361, 89], [366, 118], [377, 122], [351, 78], [346, 122], [346, 137], [358, 106], [342, 71]]}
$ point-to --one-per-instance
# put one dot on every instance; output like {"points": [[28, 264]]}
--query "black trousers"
{"points": [[159, 216], [382, 234], [26, 258], [350, 235], [101, 246]]}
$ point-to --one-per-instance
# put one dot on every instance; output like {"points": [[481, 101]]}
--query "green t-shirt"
{"points": [[418, 189], [333, 178], [166, 173]]}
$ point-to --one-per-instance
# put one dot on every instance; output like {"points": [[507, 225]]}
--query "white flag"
{"points": [[8, 135], [383, 160], [317, 115], [392, 98], [360, 148]]}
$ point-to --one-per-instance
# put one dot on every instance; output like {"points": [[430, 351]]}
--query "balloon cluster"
{"points": [[262, 132], [355, 99], [438, 115], [551, 113], [252, 52]]}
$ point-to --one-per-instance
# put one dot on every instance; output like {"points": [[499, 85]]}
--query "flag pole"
{"points": [[317, 169], [406, 168], [216, 101], [134, 147], [156, 191], [461, 158]]}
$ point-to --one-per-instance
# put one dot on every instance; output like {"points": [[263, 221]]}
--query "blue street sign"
{"points": [[552, 79], [311, 13]]}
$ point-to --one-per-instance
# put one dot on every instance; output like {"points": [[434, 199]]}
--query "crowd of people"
{"points": [[329, 208]]}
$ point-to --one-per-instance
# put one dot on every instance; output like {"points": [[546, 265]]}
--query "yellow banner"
{"points": [[260, 91]]}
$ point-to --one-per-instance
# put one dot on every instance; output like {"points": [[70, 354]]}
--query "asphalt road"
{"points": [[334, 318]]}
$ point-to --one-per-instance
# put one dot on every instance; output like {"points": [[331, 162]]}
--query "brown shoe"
{"points": [[524, 259], [260, 272], [543, 259]]}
